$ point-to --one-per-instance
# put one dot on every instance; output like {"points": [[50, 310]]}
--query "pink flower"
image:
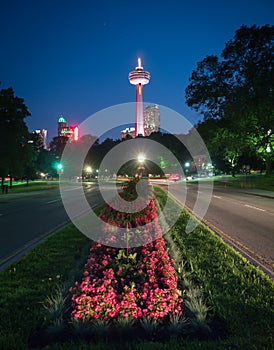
{"points": [[104, 294]]}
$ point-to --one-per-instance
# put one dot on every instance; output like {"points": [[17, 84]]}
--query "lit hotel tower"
{"points": [[139, 78]]}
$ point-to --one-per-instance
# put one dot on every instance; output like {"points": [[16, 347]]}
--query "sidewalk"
{"points": [[256, 192]]}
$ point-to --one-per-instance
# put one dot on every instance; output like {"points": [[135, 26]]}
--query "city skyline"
{"points": [[71, 59]]}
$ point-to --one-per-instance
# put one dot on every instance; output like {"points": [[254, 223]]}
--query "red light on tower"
{"points": [[139, 78]]}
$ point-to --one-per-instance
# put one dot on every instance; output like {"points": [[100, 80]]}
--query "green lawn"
{"points": [[239, 295], [246, 181], [19, 186], [26, 284]]}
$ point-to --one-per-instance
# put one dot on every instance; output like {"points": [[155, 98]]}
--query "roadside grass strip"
{"points": [[247, 181], [32, 186], [26, 284]]}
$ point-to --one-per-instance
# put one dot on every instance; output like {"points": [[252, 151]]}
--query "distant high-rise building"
{"points": [[65, 130], [127, 133], [151, 119], [42, 134]]}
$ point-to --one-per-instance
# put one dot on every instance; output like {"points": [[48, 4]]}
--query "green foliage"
{"points": [[55, 304], [26, 284], [256, 181], [237, 92], [150, 326], [15, 152], [82, 328], [32, 186], [125, 323], [100, 328], [178, 325], [237, 290]]}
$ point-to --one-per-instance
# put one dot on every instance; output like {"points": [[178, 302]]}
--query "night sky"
{"points": [[73, 57]]}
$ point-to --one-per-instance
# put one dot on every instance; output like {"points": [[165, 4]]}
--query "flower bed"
{"points": [[131, 282]]}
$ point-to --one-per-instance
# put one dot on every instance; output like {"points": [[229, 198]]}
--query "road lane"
{"points": [[248, 224], [27, 218], [244, 219]]}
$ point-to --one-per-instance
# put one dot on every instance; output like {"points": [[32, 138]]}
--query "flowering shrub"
{"points": [[142, 226], [134, 282]]}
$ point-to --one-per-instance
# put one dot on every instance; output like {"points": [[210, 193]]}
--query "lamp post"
{"points": [[60, 168], [268, 160], [187, 164]]}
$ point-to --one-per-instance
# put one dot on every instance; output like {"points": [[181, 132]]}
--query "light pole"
{"points": [[187, 164], [268, 160], [60, 169]]}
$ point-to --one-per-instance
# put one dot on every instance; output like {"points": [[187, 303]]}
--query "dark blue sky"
{"points": [[73, 57]]}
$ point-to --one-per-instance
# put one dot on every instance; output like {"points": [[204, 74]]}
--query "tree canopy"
{"points": [[237, 90], [15, 151]]}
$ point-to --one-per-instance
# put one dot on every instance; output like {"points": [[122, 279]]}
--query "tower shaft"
{"points": [[139, 120]]}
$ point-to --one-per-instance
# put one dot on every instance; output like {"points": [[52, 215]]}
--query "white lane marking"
{"points": [[252, 207], [72, 189], [217, 197], [55, 200]]}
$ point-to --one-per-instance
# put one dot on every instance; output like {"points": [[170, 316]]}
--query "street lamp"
{"points": [[141, 158], [59, 168], [187, 164], [88, 171]]}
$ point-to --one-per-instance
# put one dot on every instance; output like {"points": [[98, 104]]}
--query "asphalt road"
{"points": [[243, 218], [27, 218]]}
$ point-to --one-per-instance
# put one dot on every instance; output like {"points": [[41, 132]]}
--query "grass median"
{"points": [[238, 294]]}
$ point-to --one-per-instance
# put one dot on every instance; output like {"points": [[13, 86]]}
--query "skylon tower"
{"points": [[139, 78]]}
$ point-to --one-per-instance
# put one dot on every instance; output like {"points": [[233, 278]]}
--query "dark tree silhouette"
{"points": [[15, 152]]}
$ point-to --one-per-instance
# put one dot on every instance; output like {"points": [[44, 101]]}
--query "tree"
{"points": [[58, 144], [14, 135], [172, 144], [239, 89]]}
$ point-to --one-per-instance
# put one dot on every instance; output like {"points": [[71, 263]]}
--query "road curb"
{"points": [[258, 194], [7, 260], [251, 256]]}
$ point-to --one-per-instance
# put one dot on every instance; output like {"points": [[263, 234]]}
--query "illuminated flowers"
{"points": [[135, 282]]}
